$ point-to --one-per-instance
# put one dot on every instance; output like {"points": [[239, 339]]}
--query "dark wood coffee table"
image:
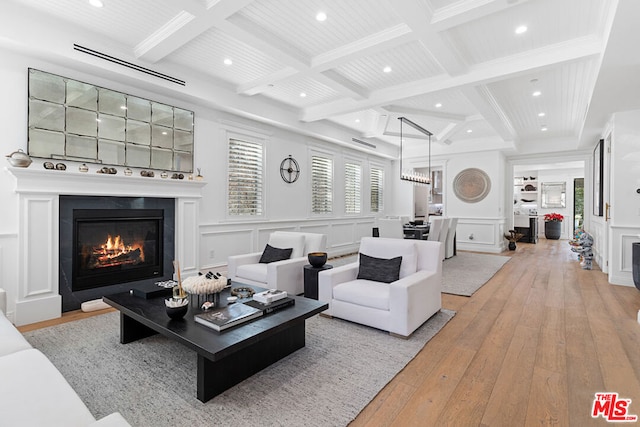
{"points": [[224, 358]]}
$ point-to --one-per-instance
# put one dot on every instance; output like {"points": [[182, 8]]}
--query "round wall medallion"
{"points": [[289, 170], [471, 185]]}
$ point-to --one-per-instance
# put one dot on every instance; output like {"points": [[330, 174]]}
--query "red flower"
{"points": [[553, 217]]}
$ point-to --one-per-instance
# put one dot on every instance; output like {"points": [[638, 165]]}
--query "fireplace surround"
{"points": [[37, 291]]}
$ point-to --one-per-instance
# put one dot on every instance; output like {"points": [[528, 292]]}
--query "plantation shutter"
{"points": [[321, 185], [245, 178], [352, 180], [377, 183]]}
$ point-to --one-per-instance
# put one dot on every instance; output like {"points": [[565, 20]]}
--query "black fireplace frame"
{"points": [[72, 300], [114, 275]]}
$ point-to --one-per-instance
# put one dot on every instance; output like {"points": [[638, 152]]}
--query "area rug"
{"points": [[467, 272], [152, 382]]}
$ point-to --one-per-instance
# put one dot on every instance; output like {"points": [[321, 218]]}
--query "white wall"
{"points": [[624, 222], [287, 206]]}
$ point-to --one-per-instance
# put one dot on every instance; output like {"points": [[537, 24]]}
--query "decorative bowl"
{"points": [[176, 311], [317, 259]]}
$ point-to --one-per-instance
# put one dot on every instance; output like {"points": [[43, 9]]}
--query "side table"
{"points": [[311, 279]]}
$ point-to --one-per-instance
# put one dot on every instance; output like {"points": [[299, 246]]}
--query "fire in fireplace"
{"points": [[116, 246]]}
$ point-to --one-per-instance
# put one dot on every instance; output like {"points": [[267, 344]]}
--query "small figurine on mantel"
{"points": [[199, 177]]}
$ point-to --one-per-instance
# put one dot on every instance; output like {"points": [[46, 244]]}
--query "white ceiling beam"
{"points": [[487, 105], [425, 113], [461, 12], [449, 130], [320, 67], [379, 124], [507, 67], [184, 27], [418, 17]]}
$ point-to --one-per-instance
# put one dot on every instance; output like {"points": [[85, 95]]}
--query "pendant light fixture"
{"points": [[410, 174]]}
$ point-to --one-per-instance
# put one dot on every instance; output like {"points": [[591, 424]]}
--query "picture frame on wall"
{"points": [[598, 160]]}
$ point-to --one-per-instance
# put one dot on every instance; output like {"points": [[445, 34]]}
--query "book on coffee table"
{"points": [[274, 306], [226, 317]]}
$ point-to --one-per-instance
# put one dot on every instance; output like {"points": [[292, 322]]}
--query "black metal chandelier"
{"points": [[410, 174]]}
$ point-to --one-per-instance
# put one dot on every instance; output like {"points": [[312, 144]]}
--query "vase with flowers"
{"points": [[553, 225]]}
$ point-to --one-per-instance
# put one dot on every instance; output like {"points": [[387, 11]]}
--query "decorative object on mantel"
{"points": [[289, 170], [164, 174], [106, 170], [199, 177], [553, 225], [513, 237], [48, 165], [177, 176], [61, 167], [411, 175], [19, 159], [128, 172], [471, 185], [83, 168], [148, 174]]}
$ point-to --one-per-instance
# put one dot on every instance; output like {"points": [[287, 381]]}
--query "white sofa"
{"points": [[32, 391], [286, 275], [399, 307]]}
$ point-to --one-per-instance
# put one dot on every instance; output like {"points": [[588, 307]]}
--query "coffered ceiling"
{"points": [[457, 68]]}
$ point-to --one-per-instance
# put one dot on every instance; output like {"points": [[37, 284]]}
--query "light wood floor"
{"points": [[530, 348]]}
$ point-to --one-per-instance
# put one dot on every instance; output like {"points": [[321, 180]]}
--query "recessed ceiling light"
{"points": [[387, 69], [321, 16], [438, 105], [536, 93], [469, 130], [357, 120], [164, 132], [303, 95], [123, 107], [541, 114], [543, 128], [521, 29], [96, 3], [227, 61]]}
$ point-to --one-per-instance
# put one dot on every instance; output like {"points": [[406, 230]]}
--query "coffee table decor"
{"points": [[205, 288]]}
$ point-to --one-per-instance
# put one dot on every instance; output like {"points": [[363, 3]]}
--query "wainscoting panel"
{"points": [[8, 270], [40, 246], [480, 234], [597, 232], [219, 241], [187, 237], [620, 270], [217, 245]]}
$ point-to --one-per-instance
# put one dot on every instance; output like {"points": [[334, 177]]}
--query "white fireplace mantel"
{"points": [[39, 190]]}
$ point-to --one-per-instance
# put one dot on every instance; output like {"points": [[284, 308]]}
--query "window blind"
{"points": [[377, 185], [352, 188], [321, 184], [245, 178]]}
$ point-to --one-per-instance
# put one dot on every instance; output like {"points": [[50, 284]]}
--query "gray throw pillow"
{"points": [[379, 269], [271, 254]]}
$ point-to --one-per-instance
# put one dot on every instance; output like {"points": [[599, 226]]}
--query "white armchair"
{"points": [[286, 275], [399, 307]]}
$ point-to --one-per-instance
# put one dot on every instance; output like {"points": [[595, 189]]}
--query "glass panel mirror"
{"points": [[554, 194], [69, 119]]}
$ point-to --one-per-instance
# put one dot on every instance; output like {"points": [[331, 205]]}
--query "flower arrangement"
{"points": [[553, 217]]}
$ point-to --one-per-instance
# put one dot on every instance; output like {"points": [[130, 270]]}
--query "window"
{"points": [[245, 178], [321, 184], [352, 187], [377, 184]]}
